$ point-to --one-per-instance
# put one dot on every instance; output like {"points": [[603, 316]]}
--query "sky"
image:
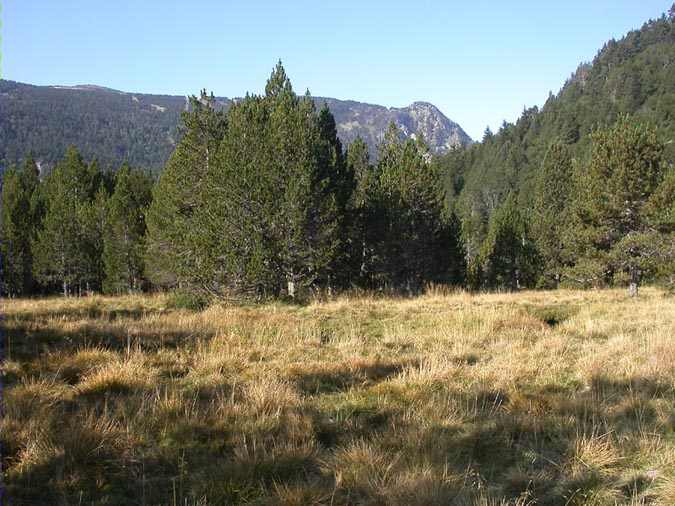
{"points": [[480, 62]]}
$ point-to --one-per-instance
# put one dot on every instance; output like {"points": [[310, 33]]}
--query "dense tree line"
{"points": [[263, 201], [602, 219], [76, 230], [259, 201]]}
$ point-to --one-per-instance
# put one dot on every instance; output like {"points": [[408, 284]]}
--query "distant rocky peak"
{"points": [[425, 119]]}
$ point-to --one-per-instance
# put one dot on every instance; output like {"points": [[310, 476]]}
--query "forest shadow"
{"points": [[344, 378], [91, 312], [525, 441], [24, 342]]}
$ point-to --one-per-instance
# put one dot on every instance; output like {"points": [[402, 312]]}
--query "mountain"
{"points": [[114, 126], [371, 121]]}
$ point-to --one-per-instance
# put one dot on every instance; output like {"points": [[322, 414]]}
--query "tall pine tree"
{"points": [[271, 216], [507, 257], [406, 215], [124, 235], [613, 232], [14, 247], [361, 231], [174, 254], [550, 214]]}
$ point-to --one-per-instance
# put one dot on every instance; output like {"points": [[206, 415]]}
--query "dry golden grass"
{"points": [[564, 397]]}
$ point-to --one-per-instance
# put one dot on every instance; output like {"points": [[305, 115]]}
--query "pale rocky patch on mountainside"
{"points": [[370, 122]]}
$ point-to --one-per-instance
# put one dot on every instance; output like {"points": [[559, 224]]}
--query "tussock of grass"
{"points": [[562, 397], [123, 377]]}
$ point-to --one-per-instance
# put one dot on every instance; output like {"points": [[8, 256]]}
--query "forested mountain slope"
{"points": [[635, 75], [141, 129]]}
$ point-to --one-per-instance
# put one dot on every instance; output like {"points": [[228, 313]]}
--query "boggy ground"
{"points": [[548, 398]]}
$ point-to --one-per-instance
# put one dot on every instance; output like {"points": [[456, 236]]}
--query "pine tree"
{"points": [[124, 236], [452, 252], [333, 165], [13, 247], [660, 216], [174, 254], [91, 218], [272, 207], [550, 216], [361, 232], [340, 184], [65, 246], [507, 258], [612, 227], [406, 216], [31, 185], [18, 226]]}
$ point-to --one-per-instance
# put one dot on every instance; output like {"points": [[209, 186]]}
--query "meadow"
{"points": [[548, 398]]}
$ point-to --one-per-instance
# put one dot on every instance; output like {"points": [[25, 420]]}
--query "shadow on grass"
{"points": [[346, 377], [92, 311], [517, 444], [25, 342]]}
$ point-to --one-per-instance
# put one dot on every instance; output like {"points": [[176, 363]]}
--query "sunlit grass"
{"points": [[564, 397]]}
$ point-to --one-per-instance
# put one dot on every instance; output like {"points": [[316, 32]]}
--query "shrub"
{"points": [[182, 299]]}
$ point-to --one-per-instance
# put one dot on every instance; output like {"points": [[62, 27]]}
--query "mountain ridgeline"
{"points": [[142, 129]]}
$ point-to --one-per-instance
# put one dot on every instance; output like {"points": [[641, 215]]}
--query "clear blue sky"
{"points": [[479, 61]]}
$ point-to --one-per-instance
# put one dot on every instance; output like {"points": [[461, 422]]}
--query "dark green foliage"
{"points": [[360, 234], [281, 209], [91, 219], [406, 233], [273, 216], [508, 256], [660, 208], [20, 219], [174, 250], [66, 233], [340, 185], [550, 214], [613, 228], [452, 251], [660, 216], [124, 235], [262, 201], [68, 246]]}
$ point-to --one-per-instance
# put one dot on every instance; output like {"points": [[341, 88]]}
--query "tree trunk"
{"points": [[634, 282], [362, 270]]}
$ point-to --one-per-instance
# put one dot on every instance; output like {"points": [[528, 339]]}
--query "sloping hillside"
{"points": [[635, 75]]}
